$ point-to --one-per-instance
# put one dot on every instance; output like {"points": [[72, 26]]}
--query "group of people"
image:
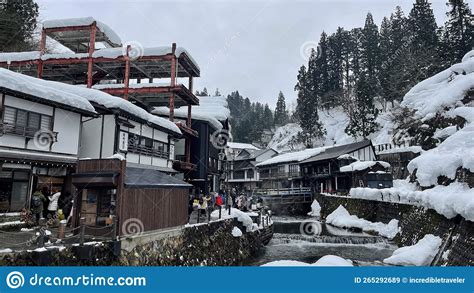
{"points": [[45, 204], [205, 204]]}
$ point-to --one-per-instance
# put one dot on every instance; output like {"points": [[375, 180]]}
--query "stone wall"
{"points": [[202, 244], [206, 244], [415, 223]]}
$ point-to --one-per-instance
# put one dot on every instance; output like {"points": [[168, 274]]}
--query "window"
{"points": [[146, 146], [23, 122]]}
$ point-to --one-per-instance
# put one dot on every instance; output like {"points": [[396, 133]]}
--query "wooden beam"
{"points": [[90, 64], [126, 79]]}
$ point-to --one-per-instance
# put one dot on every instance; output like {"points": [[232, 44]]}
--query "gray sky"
{"points": [[252, 46]]}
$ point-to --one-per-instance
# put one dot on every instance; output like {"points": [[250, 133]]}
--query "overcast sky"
{"points": [[250, 46]]}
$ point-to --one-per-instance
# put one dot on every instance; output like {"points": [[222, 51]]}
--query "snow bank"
{"points": [[333, 261], [293, 157], [341, 218], [325, 261], [210, 109], [236, 232], [315, 209], [442, 90], [456, 151], [449, 201], [6, 250], [234, 213], [53, 91], [283, 138], [420, 254], [362, 165]]}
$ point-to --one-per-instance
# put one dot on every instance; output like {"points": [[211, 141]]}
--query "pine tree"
{"points": [[423, 41], [217, 93], [370, 53], [281, 114], [362, 121], [307, 109], [17, 24], [385, 54], [458, 33]]}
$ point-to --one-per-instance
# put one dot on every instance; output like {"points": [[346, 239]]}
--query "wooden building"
{"points": [[40, 130], [148, 199]]}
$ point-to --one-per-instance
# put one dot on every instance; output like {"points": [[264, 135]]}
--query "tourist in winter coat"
{"points": [[53, 204], [37, 201]]}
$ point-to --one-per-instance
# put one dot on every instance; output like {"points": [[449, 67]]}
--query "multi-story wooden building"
{"points": [[40, 129]]}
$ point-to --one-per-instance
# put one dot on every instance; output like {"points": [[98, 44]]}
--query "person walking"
{"points": [[53, 204], [37, 202]]}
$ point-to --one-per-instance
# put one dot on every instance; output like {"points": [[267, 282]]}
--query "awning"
{"points": [[147, 178], [95, 179]]}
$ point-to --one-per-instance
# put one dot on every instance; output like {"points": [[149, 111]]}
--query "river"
{"points": [[307, 240]]}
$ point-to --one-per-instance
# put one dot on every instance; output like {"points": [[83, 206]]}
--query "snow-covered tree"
{"points": [[422, 29], [362, 119]]}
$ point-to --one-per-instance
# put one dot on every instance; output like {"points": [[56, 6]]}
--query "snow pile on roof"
{"points": [[442, 90], [414, 149], [234, 213], [243, 146], [210, 109], [341, 218], [420, 254], [57, 92], [236, 232], [456, 151], [83, 21], [293, 157], [449, 201], [19, 56], [112, 53], [362, 165], [325, 261], [315, 209]]}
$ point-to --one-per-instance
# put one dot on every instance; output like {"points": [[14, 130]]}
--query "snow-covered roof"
{"points": [[242, 146], [19, 56], [109, 53], [442, 90], [362, 165], [414, 149], [56, 92], [210, 109], [76, 97], [292, 157], [84, 21]]}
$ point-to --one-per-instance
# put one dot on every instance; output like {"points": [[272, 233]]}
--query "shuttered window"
{"points": [[21, 118]]}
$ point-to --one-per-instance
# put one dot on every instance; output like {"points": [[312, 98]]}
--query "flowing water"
{"points": [[308, 240]]}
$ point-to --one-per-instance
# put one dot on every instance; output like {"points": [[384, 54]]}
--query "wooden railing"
{"points": [[148, 151]]}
